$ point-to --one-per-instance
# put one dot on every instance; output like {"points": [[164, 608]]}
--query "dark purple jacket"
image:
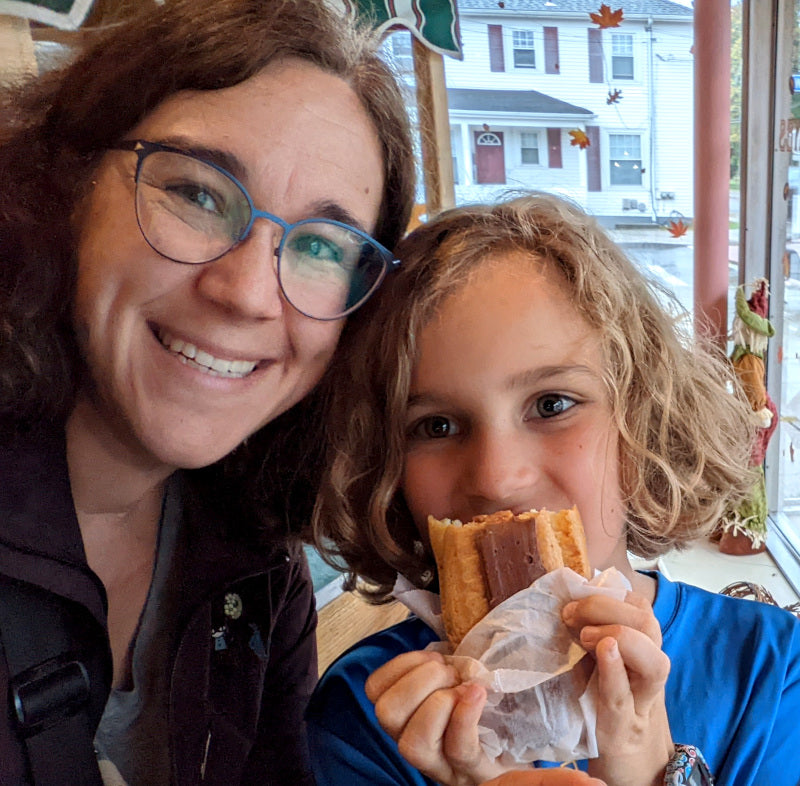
{"points": [[236, 715]]}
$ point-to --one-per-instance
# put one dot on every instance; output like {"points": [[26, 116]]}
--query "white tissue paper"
{"points": [[542, 691]]}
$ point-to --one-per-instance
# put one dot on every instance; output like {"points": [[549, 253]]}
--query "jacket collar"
{"points": [[38, 521]]}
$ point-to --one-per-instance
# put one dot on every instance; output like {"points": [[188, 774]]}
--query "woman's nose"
{"points": [[501, 473], [245, 280]]}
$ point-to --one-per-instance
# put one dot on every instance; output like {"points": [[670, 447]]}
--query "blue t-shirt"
{"points": [[733, 690]]}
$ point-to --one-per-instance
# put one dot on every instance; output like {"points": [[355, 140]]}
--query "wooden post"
{"points": [[712, 86], [434, 128]]}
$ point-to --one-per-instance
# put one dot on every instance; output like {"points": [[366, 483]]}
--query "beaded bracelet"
{"points": [[687, 767]]}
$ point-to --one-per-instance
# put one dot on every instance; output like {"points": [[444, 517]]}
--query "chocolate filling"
{"points": [[510, 558]]}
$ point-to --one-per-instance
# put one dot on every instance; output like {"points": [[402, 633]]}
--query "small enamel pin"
{"points": [[233, 606]]}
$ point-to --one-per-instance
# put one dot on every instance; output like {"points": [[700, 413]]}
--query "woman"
{"points": [[165, 302]]}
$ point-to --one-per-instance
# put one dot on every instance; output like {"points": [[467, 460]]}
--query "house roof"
{"points": [[631, 8], [528, 101]]}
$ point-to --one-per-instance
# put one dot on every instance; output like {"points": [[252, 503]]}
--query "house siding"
{"points": [[662, 62]]}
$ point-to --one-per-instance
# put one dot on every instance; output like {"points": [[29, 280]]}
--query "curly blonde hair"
{"points": [[685, 428]]}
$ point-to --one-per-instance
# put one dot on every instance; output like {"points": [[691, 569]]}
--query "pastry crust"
{"points": [[528, 544]]}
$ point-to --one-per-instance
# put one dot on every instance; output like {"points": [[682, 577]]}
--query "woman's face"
{"points": [[508, 409], [302, 144]]}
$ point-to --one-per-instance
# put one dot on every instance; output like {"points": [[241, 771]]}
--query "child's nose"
{"points": [[502, 473], [245, 280]]}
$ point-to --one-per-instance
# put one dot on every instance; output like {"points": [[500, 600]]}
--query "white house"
{"points": [[534, 70]]}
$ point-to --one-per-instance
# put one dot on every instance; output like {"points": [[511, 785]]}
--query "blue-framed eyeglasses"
{"points": [[193, 211]]}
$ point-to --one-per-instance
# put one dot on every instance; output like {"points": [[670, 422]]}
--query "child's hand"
{"points": [[421, 703], [561, 776], [633, 733]]}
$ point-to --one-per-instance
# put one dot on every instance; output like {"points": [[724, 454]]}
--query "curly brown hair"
{"points": [[54, 128], [685, 429]]}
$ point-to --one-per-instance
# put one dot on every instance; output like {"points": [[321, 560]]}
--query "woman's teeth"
{"points": [[198, 358]]}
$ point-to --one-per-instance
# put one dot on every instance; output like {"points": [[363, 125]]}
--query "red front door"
{"points": [[490, 163]]}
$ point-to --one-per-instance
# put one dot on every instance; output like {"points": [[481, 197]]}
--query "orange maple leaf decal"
{"points": [[614, 96], [579, 138], [605, 17], [677, 228]]}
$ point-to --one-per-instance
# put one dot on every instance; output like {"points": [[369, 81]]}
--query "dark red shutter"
{"points": [[551, 50], [594, 180], [595, 55], [554, 148], [496, 62]]}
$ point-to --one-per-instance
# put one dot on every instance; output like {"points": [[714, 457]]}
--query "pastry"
{"points": [[492, 557]]}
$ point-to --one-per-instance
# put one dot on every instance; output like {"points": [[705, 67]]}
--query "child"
{"points": [[519, 360]]}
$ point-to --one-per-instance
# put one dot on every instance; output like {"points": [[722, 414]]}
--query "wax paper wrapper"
{"points": [[542, 691]]}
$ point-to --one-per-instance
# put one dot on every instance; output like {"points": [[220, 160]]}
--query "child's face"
{"points": [[508, 409]]}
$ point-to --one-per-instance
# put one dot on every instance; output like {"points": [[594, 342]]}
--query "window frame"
{"points": [[628, 56], [531, 132], [402, 53], [612, 158], [530, 36]]}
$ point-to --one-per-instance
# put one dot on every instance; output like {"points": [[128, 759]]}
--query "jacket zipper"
{"points": [[205, 756]]}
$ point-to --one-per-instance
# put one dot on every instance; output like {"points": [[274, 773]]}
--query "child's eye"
{"points": [[551, 404], [433, 427]]}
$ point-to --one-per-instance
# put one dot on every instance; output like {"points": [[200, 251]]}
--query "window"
{"points": [[401, 51], [524, 53], [529, 147], [625, 154], [455, 152], [622, 56]]}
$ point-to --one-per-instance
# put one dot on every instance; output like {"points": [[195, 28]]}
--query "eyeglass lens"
{"points": [[192, 212]]}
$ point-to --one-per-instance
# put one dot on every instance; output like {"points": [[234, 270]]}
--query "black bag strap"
{"points": [[58, 685]]}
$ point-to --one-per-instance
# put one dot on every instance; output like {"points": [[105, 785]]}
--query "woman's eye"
{"points": [[197, 195], [317, 248], [434, 427], [552, 404]]}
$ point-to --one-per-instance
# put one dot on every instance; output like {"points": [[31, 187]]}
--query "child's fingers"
{"points": [[402, 699], [420, 741], [649, 624], [461, 745], [635, 612], [633, 733], [441, 738], [388, 674], [613, 685], [552, 777], [630, 652]]}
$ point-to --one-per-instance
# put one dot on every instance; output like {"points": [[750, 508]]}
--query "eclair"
{"points": [[492, 557]]}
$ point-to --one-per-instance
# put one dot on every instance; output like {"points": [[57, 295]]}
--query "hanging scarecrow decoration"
{"points": [[744, 530]]}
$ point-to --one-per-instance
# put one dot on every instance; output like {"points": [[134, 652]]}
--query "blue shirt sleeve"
{"points": [[348, 746]]}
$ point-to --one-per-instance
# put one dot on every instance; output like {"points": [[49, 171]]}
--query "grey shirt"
{"points": [[132, 741]]}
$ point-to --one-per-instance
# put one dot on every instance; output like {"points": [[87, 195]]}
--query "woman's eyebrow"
{"points": [[214, 155], [336, 212]]}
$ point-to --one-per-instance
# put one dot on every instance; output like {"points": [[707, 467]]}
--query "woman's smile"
{"points": [[194, 357]]}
